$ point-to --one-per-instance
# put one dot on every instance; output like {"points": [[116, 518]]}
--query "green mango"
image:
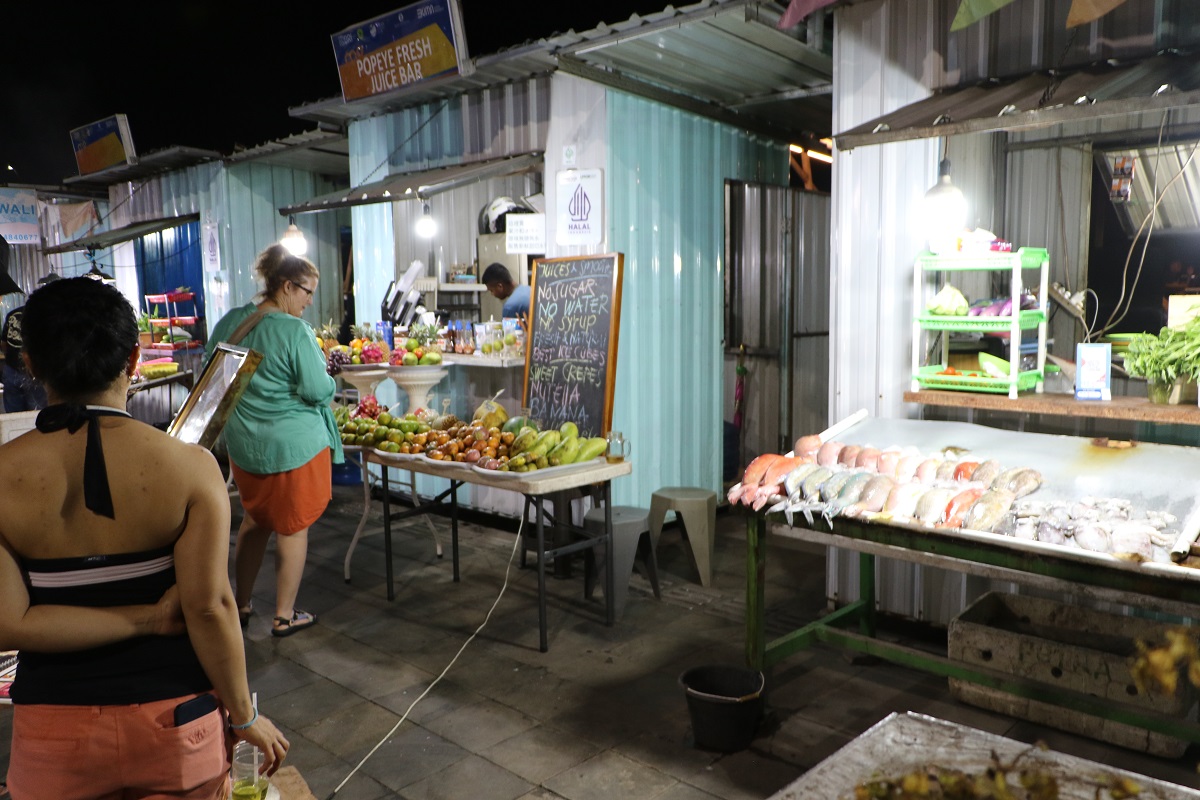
{"points": [[568, 429]]}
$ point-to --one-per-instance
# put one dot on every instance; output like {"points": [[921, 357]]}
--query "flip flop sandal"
{"points": [[244, 614], [299, 621]]}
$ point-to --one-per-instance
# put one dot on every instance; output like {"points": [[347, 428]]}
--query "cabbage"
{"points": [[949, 302]]}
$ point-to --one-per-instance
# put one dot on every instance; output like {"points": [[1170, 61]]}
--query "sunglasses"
{"points": [[302, 286]]}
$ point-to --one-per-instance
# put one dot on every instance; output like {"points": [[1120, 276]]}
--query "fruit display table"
{"points": [[533, 486], [903, 744]]}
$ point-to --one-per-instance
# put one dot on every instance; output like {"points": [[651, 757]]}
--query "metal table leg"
{"points": [[609, 576], [387, 533], [756, 606], [362, 522], [454, 525], [541, 570]]}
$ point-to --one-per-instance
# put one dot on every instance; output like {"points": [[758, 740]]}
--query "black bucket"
{"points": [[726, 705]]}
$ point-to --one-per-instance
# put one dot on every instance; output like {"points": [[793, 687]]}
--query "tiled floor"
{"points": [[601, 715]]}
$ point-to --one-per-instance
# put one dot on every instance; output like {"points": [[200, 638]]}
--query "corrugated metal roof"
{"points": [[724, 59], [155, 163], [1038, 99], [125, 234], [422, 183], [319, 151]]}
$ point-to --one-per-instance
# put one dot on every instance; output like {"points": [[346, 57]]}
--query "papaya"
{"points": [[591, 448], [568, 429], [514, 425]]}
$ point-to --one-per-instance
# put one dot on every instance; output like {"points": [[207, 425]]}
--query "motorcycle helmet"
{"points": [[492, 217]]}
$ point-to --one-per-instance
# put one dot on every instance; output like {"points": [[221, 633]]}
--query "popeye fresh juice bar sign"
{"points": [[399, 49]]}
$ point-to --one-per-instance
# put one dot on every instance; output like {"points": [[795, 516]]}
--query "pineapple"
{"points": [[327, 336]]}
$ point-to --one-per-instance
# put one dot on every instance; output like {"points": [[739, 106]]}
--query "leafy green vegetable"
{"points": [[949, 302], [1174, 353]]}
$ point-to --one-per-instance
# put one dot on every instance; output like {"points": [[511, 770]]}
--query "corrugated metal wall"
{"points": [[777, 241], [246, 201], [242, 201], [666, 177], [887, 55]]}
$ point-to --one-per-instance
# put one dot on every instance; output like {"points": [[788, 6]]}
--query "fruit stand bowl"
{"points": [[417, 382], [364, 377]]}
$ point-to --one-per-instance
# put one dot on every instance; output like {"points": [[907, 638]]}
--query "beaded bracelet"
{"points": [[245, 725]]}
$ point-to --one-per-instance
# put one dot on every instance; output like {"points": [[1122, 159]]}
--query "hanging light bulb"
{"points": [[945, 212], [293, 239], [426, 224]]}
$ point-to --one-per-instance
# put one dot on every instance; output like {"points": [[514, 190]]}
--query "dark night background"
{"points": [[213, 75]]}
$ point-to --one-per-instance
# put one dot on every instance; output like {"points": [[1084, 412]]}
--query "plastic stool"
{"points": [[697, 510], [630, 528]]}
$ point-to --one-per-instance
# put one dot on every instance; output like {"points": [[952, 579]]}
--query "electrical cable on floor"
{"points": [[434, 682]]}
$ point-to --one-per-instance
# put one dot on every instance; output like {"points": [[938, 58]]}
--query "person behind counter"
{"points": [[281, 436], [499, 282], [87, 525]]}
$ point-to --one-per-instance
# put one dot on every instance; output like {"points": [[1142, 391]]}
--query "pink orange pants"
{"points": [[116, 753]]}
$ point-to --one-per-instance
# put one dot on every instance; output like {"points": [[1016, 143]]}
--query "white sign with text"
{"points": [[525, 233], [579, 212]]}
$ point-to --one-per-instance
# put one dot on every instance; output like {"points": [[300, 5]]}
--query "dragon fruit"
{"points": [[372, 353], [368, 406]]}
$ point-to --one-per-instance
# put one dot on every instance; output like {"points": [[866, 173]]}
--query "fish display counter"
{"points": [[1094, 518]]}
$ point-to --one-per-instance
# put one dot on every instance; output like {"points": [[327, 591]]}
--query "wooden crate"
{"points": [[1070, 647]]}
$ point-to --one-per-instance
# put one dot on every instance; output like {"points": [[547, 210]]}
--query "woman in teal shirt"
{"points": [[282, 437]]}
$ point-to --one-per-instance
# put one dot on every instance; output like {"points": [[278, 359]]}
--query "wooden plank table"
{"points": [[534, 485], [1131, 409], [902, 743]]}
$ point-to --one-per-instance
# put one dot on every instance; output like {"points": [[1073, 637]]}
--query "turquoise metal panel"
{"points": [[250, 217], [665, 206]]}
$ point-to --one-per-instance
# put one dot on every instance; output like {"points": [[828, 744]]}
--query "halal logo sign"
{"points": [[579, 195], [580, 206]]}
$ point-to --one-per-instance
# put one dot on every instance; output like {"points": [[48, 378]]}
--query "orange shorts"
{"points": [[76, 752], [287, 502]]}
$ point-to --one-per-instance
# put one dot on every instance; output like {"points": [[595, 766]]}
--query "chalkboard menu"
{"points": [[571, 349]]}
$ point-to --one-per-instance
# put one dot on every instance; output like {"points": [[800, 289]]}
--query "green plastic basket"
{"points": [[928, 378], [1029, 319], [1027, 257]]}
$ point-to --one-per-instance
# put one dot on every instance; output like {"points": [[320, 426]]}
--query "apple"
{"points": [[410, 359], [419, 352]]}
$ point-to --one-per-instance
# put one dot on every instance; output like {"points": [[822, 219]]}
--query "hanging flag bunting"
{"points": [[1084, 11], [971, 11], [798, 10]]}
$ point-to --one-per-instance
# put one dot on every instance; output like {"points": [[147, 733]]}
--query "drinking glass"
{"points": [[617, 449], [248, 781]]}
